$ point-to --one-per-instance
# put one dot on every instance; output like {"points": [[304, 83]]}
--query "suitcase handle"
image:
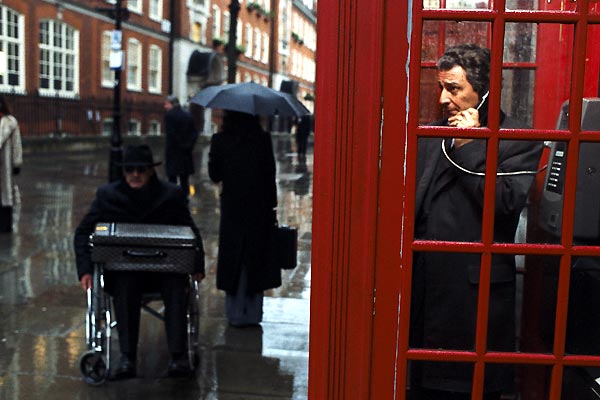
{"points": [[154, 253]]}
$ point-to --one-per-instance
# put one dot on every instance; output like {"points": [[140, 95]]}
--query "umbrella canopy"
{"points": [[250, 98]]}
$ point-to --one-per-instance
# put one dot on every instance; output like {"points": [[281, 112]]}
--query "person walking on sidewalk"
{"points": [[241, 159], [181, 135], [11, 158]]}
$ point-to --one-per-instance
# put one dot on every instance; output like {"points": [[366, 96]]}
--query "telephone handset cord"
{"points": [[483, 173]]}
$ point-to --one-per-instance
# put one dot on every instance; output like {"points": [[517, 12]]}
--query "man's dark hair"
{"points": [[474, 60]]}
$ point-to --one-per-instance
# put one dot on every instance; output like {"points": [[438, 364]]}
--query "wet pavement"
{"points": [[42, 308]]}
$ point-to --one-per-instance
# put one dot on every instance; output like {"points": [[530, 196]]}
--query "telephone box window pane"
{"points": [[586, 224], [532, 382], [553, 73], [434, 380], [583, 323], [517, 168], [520, 42], [429, 93], [586, 208], [445, 290], [432, 49], [537, 288], [594, 7], [521, 4], [456, 4], [580, 383], [467, 32], [518, 88]]}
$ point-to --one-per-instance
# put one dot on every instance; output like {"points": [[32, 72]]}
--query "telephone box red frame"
{"points": [[366, 130]]}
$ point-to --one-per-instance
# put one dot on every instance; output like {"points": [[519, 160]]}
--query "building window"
{"points": [[216, 22], [256, 49], [265, 46], [249, 33], [154, 69], [107, 126], [134, 65], [135, 6], [59, 58], [155, 11], [197, 3], [134, 127], [107, 73], [197, 32], [12, 50], [226, 24], [154, 128]]}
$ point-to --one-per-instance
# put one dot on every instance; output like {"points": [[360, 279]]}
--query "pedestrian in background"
{"points": [[303, 129], [241, 159], [181, 136], [11, 158]]}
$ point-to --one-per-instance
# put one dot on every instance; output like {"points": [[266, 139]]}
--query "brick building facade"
{"points": [[56, 58]]}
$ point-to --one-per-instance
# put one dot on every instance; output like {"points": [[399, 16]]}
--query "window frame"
{"points": [[67, 34], [15, 64], [134, 60], [156, 70]]}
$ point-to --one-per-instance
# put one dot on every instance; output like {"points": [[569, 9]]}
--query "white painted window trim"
{"points": [[134, 59], [19, 43], [66, 54], [157, 69]]}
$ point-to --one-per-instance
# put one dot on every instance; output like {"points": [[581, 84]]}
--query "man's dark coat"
{"points": [[181, 135], [157, 203], [246, 167], [449, 207]]}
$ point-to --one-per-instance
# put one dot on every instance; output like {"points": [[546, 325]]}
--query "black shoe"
{"points": [[125, 369], [179, 367]]}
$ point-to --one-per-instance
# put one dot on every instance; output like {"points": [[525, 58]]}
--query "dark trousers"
{"points": [[127, 288], [6, 220], [184, 181]]}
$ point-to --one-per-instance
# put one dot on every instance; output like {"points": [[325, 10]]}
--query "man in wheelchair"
{"points": [[141, 198]]}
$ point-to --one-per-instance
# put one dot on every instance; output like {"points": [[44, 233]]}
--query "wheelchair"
{"points": [[95, 363]]}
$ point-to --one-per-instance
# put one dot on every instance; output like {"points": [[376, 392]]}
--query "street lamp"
{"points": [[119, 14], [234, 10]]}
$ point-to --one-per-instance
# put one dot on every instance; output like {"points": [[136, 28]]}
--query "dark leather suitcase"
{"points": [[144, 247]]}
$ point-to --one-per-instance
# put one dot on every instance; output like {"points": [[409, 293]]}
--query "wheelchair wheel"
{"points": [[93, 368], [96, 325], [193, 321]]}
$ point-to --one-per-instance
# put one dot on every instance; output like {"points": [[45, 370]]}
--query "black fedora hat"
{"points": [[138, 155]]}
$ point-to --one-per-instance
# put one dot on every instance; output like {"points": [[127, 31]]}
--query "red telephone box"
{"points": [[376, 86]]}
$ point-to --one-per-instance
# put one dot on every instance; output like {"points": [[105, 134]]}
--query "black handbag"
{"points": [[283, 247]]}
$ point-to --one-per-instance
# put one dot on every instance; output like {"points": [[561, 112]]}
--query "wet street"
{"points": [[42, 307]]}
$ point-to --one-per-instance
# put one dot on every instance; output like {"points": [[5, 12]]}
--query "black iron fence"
{"points": [[47, 116]]}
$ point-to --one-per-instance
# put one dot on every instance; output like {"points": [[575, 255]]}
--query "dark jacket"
{"points": [[449, 207], [181, 136], [246, 167], [157, 203]]}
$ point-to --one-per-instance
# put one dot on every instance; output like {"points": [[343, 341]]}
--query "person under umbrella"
{"points": [[241, 160]]}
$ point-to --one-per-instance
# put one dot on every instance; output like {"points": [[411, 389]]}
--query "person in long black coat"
{"points": [[241, 160], [180, 137], [449, 207], [140, 197]]}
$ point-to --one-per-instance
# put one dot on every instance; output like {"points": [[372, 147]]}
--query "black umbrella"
{"points": [[250, 98]]}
